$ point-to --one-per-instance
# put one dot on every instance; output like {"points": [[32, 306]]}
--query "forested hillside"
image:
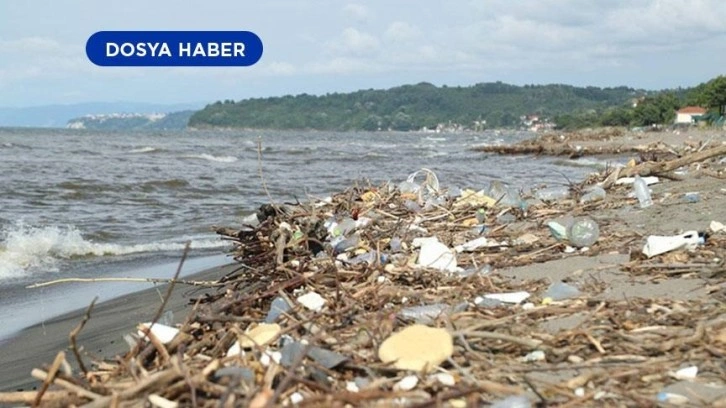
{"points": [[413, 107]]}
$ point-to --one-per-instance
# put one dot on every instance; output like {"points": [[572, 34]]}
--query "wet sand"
{"points": [[102, 337]]}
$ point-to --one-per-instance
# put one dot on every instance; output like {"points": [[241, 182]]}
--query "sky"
{"points": [[325, 46]]}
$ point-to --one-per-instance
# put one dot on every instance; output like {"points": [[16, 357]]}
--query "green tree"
{"points": [[658, 109]]}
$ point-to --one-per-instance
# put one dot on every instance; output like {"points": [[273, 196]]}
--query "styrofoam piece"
{"points": [[511, 297], [312, 301], [630, 180], [657, 244], [164, 333]]}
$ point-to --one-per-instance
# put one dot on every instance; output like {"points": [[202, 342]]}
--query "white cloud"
{"points": [[354, 42], [31, 45], [401, 31], [356, 11], [281, 68]]}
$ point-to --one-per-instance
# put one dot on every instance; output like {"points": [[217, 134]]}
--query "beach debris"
{"points": [[417, 348], [434, 254], [716, 226], [686, 373], [406, 383], [692, 197], [658, 244], [552, 193], [537, 355], [164, 333], [672, 398], [593, 194], [357, 266], [259, 335], [640, 187], [312, 301], [583, 232], [511, 297], [514, 401], [560, 291], [630, 180]]}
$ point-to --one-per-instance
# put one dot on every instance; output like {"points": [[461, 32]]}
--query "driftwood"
{"points": [[573, 152], [661, 168]]}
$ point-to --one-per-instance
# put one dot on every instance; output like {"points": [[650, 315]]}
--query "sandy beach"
{"points": [[599, 348], [102, 336]]}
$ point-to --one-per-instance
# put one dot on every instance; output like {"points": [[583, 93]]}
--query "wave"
{"points": [[146, 149], [218, 159], [27, 249]]}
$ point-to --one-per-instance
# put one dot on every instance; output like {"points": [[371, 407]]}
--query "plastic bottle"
{"points": [[583, 232], [552, 193], [642, 192], [596, 193]]}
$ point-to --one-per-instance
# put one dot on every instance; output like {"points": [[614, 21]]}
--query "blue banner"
{"points": [[174, 48]]}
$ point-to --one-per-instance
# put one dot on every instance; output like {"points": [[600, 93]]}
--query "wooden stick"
{"points": [[169, 289], [74, 333], [42, 375], [59, 358], [149, 280], [28, 397]]}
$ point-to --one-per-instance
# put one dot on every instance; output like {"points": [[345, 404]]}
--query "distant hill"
{"points": [[133, 121], [59, 115], [413, 107]]}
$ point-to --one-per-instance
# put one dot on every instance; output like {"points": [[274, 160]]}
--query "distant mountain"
{"points": [[59, 115], [133, 121]]}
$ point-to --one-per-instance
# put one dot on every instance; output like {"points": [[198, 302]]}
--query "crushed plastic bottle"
{"points": [[596, 193], [583, 232], [552, 193], [641, 191], [560, 291], [559, 227]]}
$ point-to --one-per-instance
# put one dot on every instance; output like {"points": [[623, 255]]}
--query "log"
{"points": [[660, 168]]}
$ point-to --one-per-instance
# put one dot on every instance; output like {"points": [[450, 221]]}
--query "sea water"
{"points": [[82, 203]]}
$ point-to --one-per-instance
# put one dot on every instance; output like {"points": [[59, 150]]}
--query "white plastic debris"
{"points": [[312, 301], [580, 392], [686, 373], [631, 180], [434, 254], [444, 379], [475, 244], [511, 297], [296, 398], [234, 350], [716, 226], [537, 355], [351, 386], [656, 244], [162, 332], [407, 383]]}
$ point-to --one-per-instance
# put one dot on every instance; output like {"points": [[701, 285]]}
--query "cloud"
{"points": [[401, 31], [280, 68], [31, 45], [354, 42], [356, 11]]}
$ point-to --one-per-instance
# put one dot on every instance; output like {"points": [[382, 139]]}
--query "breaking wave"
{"points": [[218, 159], [27, 249], [146, 149]]}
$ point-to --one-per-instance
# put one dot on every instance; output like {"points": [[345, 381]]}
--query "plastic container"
{"points": [[583, 232], [595, 193], [559, 227], [641, 191], [560, 290], [552, 193]]}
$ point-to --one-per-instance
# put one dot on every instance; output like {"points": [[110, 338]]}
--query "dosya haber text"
{"points": [[181, 49]]}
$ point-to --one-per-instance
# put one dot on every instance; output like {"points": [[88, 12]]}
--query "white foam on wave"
{"points": [[218, 159], [27, 249], [146, 149]]}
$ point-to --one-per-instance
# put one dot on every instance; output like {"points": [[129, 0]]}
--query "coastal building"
{"points": [[688, 114]]}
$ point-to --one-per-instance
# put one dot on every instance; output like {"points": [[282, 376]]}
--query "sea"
{"points": [[90, 204]]}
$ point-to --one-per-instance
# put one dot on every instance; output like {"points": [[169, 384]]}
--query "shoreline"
{"points": [[641, 310], [102, 336]]}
